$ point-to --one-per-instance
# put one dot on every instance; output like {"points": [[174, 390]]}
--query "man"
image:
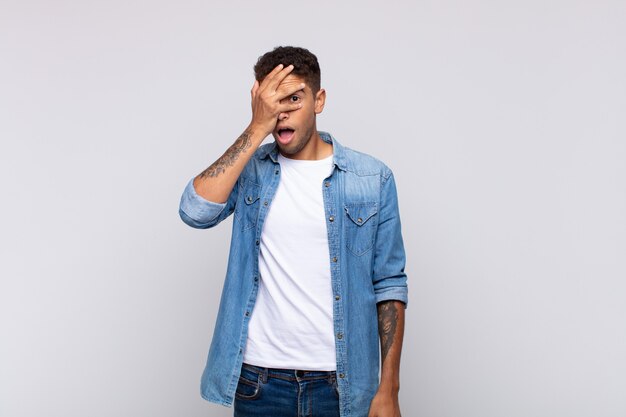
{"points": [[316, 267]]}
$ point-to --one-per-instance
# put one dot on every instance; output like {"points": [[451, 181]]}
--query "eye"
{"points": [[294, 99]]}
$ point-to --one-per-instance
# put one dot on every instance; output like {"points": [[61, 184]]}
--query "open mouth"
{"points": [[285, 134]]}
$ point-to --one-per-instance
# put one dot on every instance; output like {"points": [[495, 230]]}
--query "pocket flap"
{"points": [[360, 213], [251, 193]]}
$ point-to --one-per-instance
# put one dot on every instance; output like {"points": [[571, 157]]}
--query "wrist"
{"points": [[389, 388], [260, 131]]}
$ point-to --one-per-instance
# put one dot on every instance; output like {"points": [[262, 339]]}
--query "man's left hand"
{"points": [[385, 405]]}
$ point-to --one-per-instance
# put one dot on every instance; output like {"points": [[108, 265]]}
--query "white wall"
{"points": [[503, 121]]}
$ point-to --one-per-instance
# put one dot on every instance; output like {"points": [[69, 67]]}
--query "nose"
{"points": [[283, 116]]}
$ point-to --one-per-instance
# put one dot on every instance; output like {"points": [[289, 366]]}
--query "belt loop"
{"points": [[264, 375]]}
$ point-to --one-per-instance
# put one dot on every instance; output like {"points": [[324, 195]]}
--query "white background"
{"points": [[504, 122]]}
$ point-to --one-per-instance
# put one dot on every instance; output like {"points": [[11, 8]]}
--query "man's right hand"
{"points": [[217, 181], [267, 97]]}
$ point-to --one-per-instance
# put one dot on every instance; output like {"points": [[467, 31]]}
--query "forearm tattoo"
{"points": [[387, 324], [218, 167]]}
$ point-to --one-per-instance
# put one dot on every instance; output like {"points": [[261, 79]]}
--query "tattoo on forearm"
{"points": [[387, 324], [218, 167]]}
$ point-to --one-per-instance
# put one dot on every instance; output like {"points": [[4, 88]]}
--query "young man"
{"points": [[316, 267]]}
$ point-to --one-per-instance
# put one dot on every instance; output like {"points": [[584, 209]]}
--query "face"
{"points": [[295, 130]]}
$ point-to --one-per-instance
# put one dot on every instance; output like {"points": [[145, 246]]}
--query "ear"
{"points": [[320, 100]]}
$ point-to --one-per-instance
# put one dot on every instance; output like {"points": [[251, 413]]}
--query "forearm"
{"points": [[217, 181], [391, 332]]}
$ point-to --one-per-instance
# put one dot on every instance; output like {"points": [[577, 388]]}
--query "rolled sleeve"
{"points": [[198, 212], [389, 279]]}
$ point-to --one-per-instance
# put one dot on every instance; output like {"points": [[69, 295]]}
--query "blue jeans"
{"points": [[265, 392]]}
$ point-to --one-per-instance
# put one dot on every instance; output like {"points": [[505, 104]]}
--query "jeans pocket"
{"points": [[249, 385], [333, 383]]}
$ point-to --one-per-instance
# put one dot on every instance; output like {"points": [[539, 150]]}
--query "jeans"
{"points": [[265, 392]]}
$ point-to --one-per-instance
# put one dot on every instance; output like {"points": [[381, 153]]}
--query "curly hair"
{"points": [[304, 62]]}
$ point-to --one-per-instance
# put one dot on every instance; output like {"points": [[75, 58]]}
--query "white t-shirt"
{"points": [[292, 322]]}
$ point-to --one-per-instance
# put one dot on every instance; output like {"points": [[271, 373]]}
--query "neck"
{"points": [[320, 149]]}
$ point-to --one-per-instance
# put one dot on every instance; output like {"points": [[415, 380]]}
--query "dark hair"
{"points": [[304, 62]]}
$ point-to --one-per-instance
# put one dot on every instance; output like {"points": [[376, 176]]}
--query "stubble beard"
{"points": [[301, 144]]}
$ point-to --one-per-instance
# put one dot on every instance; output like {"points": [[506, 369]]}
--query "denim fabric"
{"points": [[366, 258], [264, 392]]}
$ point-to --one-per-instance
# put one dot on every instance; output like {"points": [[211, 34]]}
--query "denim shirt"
{"points": [[366, 262]]}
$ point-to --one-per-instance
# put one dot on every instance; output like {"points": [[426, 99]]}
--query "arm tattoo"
{"points": [[218, 167], [387, 324]]}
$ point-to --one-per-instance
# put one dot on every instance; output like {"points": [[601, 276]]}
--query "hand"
{"points": [[267, 96], [385, 405]]}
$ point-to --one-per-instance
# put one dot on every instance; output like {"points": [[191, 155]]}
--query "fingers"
{"points": [[274, 78], [288, 107], [269, 96], [285, 90], [278, 78], [275, 71]]}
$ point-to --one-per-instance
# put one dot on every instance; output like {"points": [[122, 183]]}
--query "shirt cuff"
{"points": [[197, 208], [393, 293]]}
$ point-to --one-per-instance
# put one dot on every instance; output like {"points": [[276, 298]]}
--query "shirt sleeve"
{"points": [[200, 213], [389, 279]]}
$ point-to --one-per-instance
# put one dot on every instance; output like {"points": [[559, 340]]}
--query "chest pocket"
{"points": [[360, 226], [247, 211]]}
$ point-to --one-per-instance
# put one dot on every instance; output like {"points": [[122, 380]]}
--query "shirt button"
{"points": [[249, 199], [359, 220], [256, 243], [340, 336], [276, 172], [335, 259], [256, 278], [247, 313], [327, 184], [342, 375], [331, 218], [337, 297], [265, 203]]}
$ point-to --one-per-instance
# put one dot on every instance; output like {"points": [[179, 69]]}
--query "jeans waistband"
{"points": [[290, 374]]}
